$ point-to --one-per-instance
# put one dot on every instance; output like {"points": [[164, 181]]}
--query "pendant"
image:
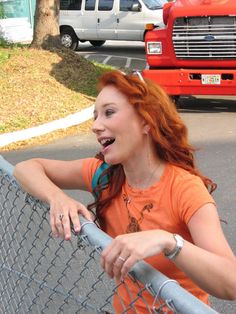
{"points": [[133, 226]]}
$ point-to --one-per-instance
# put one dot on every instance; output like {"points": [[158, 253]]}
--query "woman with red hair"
{"points": [[150, 197]]}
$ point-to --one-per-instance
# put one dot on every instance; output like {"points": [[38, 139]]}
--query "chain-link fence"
{"points": [[41, 274]]}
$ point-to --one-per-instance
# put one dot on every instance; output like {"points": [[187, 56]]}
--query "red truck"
{"points": [[195, 52]]}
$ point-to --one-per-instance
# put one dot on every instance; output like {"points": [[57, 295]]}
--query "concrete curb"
{"points": [[63, 123]]}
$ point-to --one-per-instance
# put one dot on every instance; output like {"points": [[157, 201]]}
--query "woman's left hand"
{"points": [[124, 251]]}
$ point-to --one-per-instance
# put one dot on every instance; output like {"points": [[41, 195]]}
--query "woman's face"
{"points": [[118, 127]]}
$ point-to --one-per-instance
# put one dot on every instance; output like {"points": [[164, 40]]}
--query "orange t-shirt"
{"points": [[169, 204]]}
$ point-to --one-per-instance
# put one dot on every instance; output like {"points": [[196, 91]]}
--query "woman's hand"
{"points": [[64, 210], [119, 257]]}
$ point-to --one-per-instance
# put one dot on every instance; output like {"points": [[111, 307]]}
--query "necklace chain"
{"points": [[148, 180]]}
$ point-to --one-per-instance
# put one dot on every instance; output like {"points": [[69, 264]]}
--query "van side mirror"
{"points": [[136, 7]]}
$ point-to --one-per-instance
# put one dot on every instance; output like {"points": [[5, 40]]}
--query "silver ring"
{"points": [[60, 216], [122, 258]]}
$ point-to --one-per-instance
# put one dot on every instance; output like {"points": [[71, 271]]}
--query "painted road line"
{"points": [[71, 120], [106, 59], [115, 56], [128, 62]]}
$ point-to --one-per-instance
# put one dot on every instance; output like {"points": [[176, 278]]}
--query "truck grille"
{"points": [[205, 37]]}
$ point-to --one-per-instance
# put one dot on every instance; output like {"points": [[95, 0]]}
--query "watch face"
{"points": [[179, 239]]}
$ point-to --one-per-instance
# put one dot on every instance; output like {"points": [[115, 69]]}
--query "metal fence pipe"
{"points": [[161, 286]]}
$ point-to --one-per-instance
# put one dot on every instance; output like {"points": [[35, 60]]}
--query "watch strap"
{"points": [[178, 247]]}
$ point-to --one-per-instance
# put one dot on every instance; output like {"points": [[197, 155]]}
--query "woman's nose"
{"points": [[97, 126]]}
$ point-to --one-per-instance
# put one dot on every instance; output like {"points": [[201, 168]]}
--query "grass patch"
{"points": [[4, 56], [39, 86]]}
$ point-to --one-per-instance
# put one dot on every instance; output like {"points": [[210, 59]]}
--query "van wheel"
{"points": [[97, 43], [69, 39]]}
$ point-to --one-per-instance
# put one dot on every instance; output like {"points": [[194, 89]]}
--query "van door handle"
{"points": [[98, 20], [118, 20]]}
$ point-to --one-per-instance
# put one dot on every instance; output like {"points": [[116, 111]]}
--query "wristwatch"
{"points": [[179, 244]]}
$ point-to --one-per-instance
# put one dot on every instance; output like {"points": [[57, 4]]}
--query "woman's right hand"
{"points": [[64, 210], [46, 180]]}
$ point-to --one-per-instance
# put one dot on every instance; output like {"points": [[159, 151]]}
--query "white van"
{"points": [[101, 20]]}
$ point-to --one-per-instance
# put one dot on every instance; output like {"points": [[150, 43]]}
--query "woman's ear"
{"points": [[146, 128]]}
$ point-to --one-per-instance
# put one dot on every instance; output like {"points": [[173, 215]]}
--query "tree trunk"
{"points": [[46, 25]]}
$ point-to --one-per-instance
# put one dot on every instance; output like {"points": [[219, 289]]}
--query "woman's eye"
{"points": [[109, 112]]}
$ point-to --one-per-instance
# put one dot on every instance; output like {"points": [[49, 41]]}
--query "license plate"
{"points": [[211, 79]]}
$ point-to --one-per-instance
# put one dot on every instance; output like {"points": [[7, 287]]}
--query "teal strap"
{"points": [[97, 174]]}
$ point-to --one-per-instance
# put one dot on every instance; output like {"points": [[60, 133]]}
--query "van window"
{"points": [[90, 5], [154, 4], [70, 4], [125, 5], [105, 5]]}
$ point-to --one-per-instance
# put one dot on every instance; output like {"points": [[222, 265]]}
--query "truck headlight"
{"points": [[154, 48]]}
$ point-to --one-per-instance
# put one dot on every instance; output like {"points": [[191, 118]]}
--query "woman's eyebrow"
{"points": [[108, 104], [104, 106]]}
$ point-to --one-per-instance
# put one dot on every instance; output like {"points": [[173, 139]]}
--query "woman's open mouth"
{"points": [[106, 142]]}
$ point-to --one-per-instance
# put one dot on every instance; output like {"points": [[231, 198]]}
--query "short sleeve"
{"points": [[192, 195], [89, 167]]}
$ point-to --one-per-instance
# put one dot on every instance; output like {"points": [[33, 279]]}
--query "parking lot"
{"points": [[211, 122]]}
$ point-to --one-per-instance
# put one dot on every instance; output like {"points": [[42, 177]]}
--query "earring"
{"points": [[147, 129]]}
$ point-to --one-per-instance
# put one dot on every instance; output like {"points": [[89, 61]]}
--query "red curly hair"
{"points": [[167, 129]]}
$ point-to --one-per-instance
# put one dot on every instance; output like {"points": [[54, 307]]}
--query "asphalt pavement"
{"points": [[119, 54]]}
